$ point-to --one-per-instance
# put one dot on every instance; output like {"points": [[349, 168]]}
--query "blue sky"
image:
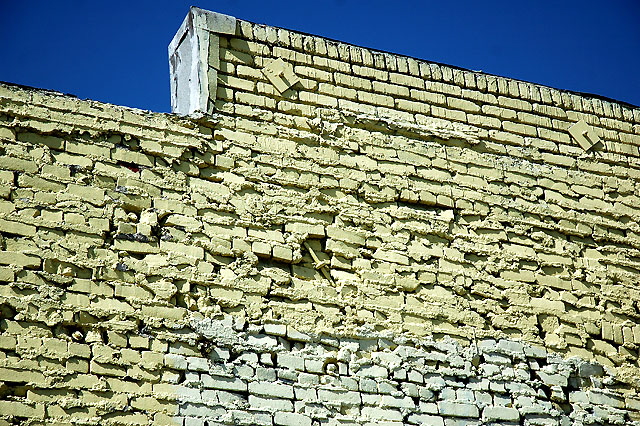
{"points": [[116, 51]]}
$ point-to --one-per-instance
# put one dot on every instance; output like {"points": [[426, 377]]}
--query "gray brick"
{"points": [[373, 371], [271, 389], [490, 414], [336, 396], [397, 402], [458, 409], [291, 419], [426, 420], [375, 413], [224, 383], [270, 404]]}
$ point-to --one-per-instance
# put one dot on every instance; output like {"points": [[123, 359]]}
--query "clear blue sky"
{"points": [[116, 51]]}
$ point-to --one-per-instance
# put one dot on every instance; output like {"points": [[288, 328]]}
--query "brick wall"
{"points": [[386, 240]]}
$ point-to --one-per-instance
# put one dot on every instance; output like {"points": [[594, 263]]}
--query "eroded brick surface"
{"points": [[388, 240]]}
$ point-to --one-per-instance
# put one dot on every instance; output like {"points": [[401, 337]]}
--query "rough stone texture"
{"points": [[386, 241]]}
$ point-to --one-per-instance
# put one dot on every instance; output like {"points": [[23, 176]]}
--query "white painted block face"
{"points": [[182, 66], [193, 81]]}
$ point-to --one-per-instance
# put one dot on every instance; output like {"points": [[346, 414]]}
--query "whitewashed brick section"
{"points": [[488, 382]]}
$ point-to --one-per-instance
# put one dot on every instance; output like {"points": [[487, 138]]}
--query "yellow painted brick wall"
{"points": [[477, 199], [380, 194]]}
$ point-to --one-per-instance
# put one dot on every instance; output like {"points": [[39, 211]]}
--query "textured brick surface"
{"points": [[388, 240]]}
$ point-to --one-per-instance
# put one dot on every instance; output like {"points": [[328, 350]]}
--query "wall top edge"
{"points": [[55, 99], [215, 19]]}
